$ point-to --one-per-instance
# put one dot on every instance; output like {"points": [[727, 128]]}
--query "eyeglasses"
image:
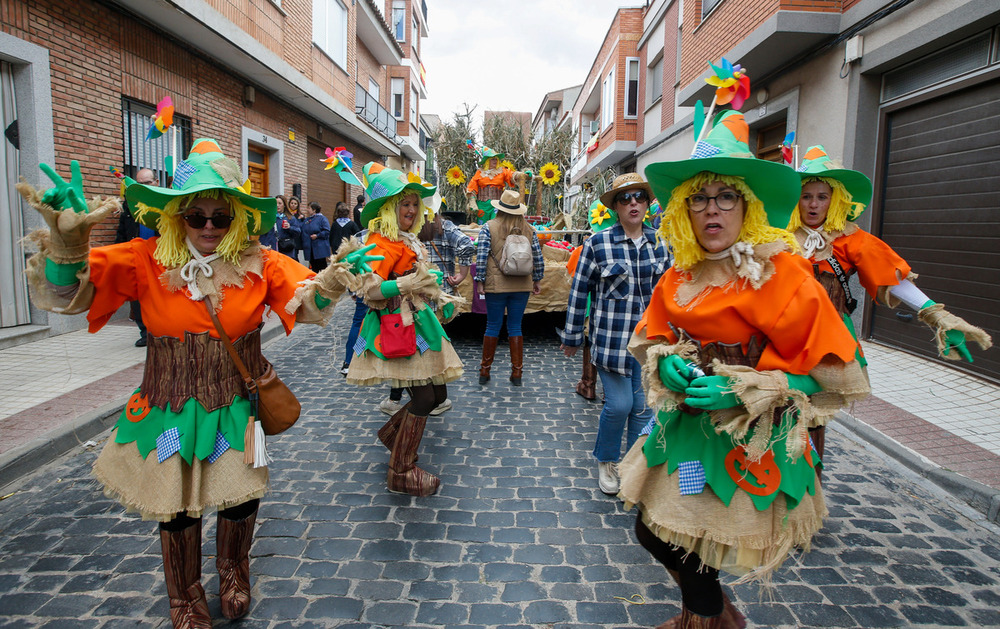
{"points": [[626, 197], [725, 201], [220, 221]]}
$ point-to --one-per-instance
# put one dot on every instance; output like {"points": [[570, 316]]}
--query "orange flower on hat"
{"points": [[550, 174], [455, 176]]}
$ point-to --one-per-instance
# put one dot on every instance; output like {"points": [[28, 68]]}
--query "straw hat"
{"points": [[510, 203], [628, 181]]}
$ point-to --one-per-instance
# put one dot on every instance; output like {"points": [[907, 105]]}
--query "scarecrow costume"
{"points": [[177, 449], [731, 485], [402, 293], [487, 184], [839, 248]]}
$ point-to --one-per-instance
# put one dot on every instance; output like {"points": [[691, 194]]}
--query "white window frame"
{"points": [[654, 79], [330, 16], [399, 17], [608, 100], [631, 67], [374, 89], [414, 97], [398, 89]]}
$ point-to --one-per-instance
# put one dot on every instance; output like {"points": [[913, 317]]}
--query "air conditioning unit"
{"points": [[595, 126]]}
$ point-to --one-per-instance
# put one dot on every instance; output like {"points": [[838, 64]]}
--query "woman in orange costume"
{"points": [[401, 290], [178, 448], [725, 479], [489, 182]]}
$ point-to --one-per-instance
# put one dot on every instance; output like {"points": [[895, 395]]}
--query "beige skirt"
{"points": [[159, 491], [429, 367], [737, 539]]}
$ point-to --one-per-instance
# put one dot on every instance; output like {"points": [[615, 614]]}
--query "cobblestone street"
{"points": [[518, 536]]}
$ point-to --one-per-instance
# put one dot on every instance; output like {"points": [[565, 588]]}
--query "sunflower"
{"points": [[507, 164], [455, 176], [550, 174]]}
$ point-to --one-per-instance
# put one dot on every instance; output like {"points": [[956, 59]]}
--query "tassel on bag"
{"points": [[254, 446]]}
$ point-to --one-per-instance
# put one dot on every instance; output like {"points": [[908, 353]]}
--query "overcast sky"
{"points": [[506, 55]]}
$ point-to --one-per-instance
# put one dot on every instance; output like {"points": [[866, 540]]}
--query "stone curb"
{"points": [[23, 460], [980, 497]]}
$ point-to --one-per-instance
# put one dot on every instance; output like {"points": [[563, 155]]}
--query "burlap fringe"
{"points": [[648, 354], [941, 321], [330, 283], [709, 274], [44, 294], [69, 231], [223, 274]]}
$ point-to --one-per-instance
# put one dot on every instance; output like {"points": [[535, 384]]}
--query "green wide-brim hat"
{"points": [[601, 216], [488, 153], [381, 184], [206, 168], [816, 163], [725, 151]]}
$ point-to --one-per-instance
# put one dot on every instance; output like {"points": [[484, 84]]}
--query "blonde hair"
{"points": [[842, 206], [676, 229], [171, 249], [386, 222]]}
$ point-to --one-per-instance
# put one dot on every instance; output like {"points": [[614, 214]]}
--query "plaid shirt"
{"points": [[444, 249], [620, 279], [483, 254]]}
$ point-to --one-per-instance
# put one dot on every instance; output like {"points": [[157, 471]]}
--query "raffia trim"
{"points": [[648, 354], [709, 274], [44, 294], [940, 321], [223, 274]]}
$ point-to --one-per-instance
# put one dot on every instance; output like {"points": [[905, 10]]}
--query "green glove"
{"points": [[805, 383], [359, 261], [711, 393], [389, 289], [438, 276], [65, 196], [674, 373], [448, 310], [956, 339], [62, 274]]}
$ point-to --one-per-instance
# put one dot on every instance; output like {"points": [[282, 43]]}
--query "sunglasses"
{"points": [[220, 221], [626, 197]]}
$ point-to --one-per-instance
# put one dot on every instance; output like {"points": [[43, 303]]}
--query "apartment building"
{"points": [[274, 81], [555, 111]]}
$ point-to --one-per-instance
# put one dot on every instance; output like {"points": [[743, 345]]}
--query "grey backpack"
{"points": [[516, 258]]}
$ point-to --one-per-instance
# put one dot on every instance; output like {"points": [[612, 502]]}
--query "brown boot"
{"points": [[818, 435], [404, 476], [182, 569], [387, 433], [690, 620], [489, 349], [516, 359], [587, 386], [732, 618], [233, 563]]}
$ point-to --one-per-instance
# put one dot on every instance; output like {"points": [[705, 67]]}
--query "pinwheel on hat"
{"points": [[732, 88], [788, 149], [381, 184], [162, 120], [339, 159]]}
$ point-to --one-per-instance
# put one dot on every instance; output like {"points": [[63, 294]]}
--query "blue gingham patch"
{"points": [[377, 190], [359, 346], [648, 428], [692, 477], [703, 149], [422, 344], [181, 174], [168, 444], [221, 445]]}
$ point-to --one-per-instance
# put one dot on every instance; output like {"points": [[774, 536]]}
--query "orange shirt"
{"points": [[128, 272], [399, 258], [479, 181], [792, 311], [875, 262]]}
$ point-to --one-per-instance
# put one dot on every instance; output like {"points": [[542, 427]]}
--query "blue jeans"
{"points": [[360, 310], [624, 401], [513, 303]]}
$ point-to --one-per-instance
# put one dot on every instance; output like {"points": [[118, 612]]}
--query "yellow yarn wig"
{"points": [[676, 229], [842, 207], [386, 222], [171, 248]]}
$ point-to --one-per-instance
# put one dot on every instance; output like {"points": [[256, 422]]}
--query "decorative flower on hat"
{"points": [[731, 83], [162, 120], [550, 174], [455, 176], [507, 164], [600, 214], [415, 178]]}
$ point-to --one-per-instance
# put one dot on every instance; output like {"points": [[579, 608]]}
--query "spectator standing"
{"points": [[342, 227], [360, 205], [315, 237], [288, 229]]}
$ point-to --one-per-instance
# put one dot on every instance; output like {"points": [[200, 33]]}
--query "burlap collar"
{"points": [[723, 273], [223, 274]]}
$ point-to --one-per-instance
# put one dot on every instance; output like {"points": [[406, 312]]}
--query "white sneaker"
{"points": [[345, 369], [442, 407], [607, 477], [389, 406]]}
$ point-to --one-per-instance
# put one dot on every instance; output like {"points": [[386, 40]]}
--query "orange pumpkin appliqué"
{"points": [[765, 472], [137, 407]]}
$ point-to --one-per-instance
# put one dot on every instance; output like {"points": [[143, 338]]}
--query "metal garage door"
{"points": [[941, 212]]}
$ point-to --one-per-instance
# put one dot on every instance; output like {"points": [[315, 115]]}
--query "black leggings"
{"points": [[239, 512], [701, 591], [426, 398]]}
